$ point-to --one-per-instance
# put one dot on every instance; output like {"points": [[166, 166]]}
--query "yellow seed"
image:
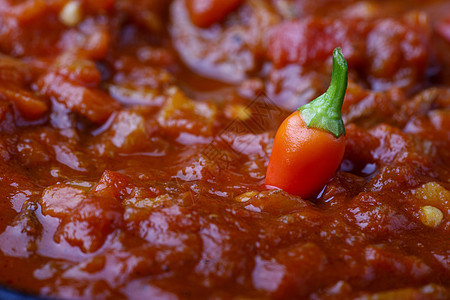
{"points": [[238, 111], [431, 216], [71, 14], [245, 196], [147, 202], [432, 193]]}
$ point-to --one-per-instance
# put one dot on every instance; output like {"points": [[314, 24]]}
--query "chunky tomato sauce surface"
{"points": [[135, 136]]}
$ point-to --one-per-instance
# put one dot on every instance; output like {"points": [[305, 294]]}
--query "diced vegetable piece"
{"points": [[182, 114], [135, 95], [206, 12], [431, 216], [246, 196], [71, 14], [275, 202], [78, 70], [111, 184], [92, 104], [433, 193], [128, 131], [149, 202], [291, 272], [59, 200], [390, 261], [29, 105], [90, 222], [14, 71]]}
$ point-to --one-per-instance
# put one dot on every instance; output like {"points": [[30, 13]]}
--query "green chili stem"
{"points": [[324, 112]]}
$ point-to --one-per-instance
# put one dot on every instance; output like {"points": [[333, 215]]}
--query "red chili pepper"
{"points": [[310, 143]]}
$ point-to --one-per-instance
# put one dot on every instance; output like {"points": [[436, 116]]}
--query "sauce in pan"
{"points": [[135, 137]]}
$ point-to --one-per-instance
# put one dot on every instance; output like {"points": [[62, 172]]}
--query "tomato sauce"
{"points": [[135, 137]]}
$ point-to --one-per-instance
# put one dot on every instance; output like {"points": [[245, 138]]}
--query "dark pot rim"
{"points": [[7, 293]]}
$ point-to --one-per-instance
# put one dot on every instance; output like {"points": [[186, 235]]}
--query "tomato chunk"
{"points": [[204, 13]]}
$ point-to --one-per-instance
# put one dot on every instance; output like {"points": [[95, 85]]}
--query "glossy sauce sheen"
{"points": [[134, 146]]}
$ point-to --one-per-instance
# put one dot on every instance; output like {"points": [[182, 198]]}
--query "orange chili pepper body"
{"points": [[310, 143], [303, 159]]}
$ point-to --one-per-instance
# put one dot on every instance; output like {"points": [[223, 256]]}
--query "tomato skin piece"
{"points": [[204, 13], [303, 159]]}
